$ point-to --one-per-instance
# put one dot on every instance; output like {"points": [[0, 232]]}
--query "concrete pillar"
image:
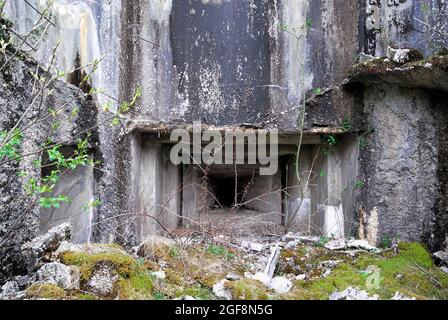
{"points": [[150, 185]]}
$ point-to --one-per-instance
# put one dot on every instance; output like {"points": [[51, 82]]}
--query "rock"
{"points": [[400, 296], [362, 244], [9, 289], [22, 281], [55, 273], [444, 269], [103, 281], [338, 244], [159, 275], [280, 285], [155, 248], [262, 277], [365, 57], [292, 244], [301, 277], [441, 258], [352, 294], [75, 276], [186, 298], [233, 277], [254, 246], [39, 250], [403, 55], [309, 239], [220, 290]]}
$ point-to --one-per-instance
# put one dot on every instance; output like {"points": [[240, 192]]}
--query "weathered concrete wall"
{"points": [[232, 62], [19, 214], [403, 162]]}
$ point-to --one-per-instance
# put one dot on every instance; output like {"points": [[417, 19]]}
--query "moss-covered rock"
{"points": [[247, 289], [45, 291]]}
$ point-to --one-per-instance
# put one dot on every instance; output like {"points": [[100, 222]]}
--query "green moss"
{"points": [[141, 282], [406, 272], [247, 289], [45, 291], [86, 296], [124, 264], [197, 292]]}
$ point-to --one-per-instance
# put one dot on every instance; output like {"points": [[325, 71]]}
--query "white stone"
{"points": [[159, 275], [254, 246], [352, 294], [400, 296], [221, 291], [262, 277], [8, 289], [280, 285], [55, 273], [233, 277], [301, 277], [444, 269], [338, 244], [362, 244]]}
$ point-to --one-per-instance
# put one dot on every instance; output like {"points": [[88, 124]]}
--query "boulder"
{"points": [[55, 273], [39, 250], [9, 289]]}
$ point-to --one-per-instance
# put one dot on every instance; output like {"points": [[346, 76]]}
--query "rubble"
{"points": [[159, 275], [441, 258], [280, 285], [352, 294], [220, 290], [39, 250], [400, 296]]}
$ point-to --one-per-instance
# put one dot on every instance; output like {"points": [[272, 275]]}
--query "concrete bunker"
{"points": [[237, 199]]}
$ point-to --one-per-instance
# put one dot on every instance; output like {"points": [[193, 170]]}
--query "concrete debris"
{"points": [[39, 250], [441, 258], [254, 246], [338, 244], [400, 296], [262, 277], [186, 298], [159, 275], [403, 55], [272, 262], [300, 277], [280, 285], [55, 273], [352, 294], [363, 245], [233, 277], [220, 290]]}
